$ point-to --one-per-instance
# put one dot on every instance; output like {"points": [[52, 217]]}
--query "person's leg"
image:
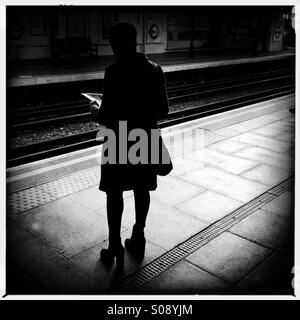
{"points": [[136, 244], [114, 205], [142, 203]]}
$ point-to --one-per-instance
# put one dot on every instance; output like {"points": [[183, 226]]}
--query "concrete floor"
{"points": [[56, 223]]}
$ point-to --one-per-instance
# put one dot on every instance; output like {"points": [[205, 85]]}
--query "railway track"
{"points": [[74, 142], [68, 112]]}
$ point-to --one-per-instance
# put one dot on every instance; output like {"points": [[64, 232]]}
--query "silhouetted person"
{"points": [[135, 92]]}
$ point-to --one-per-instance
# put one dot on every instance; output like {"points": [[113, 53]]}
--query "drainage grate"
{"points": [[279, 189], [167, 260]]}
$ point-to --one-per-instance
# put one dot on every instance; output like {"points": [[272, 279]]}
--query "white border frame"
{"points": [[3, 5]]}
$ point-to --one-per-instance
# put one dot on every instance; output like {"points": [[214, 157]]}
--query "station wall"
{"points": [[24, 41], [31, 29], [276, 34]]}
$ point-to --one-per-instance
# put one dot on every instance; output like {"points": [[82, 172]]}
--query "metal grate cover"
{"points": [[164, 262]]}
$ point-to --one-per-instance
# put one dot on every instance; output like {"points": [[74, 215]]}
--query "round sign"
{"points": [[154, 31], [277, 32], [16, 31]]}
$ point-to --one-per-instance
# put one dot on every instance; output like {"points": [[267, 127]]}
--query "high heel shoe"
{"points": [[136, 244], [108, 256]]}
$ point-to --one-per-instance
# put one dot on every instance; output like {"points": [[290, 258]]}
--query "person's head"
{"points": [[122, 38]]}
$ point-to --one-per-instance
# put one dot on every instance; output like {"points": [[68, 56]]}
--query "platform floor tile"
{"points": [[183, 165], [287, 136], [16, 234], [186, 278], [282, 125], [228, 146], [168, 190], [19, 282], [273, 276], [229, 257], [225, 183], [279, 160], [165, 226], [65, 225], [282, 205], [267, 131], [267, 229], [289, 124], [209, 206], [51, 270], [289, 118], [222, 161], [263, 142], [106, 277], [266, 174], [91, 198]]}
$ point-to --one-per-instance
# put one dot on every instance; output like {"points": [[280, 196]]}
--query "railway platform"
{"points": [[220, 223], [31, 73]]}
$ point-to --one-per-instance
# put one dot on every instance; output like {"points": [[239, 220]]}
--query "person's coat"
{"points": [[134, 92]]}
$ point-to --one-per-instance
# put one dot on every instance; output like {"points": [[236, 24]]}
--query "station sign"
{"points": [[16, 30], [277, 32], [153, 29]]}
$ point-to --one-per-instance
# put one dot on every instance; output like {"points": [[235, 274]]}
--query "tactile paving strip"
{"points": [[203, 137], [244, 126], [39, 195], [27, 199], [167, 260], [253, 123], [73, 183], [34, 197], [227, 132], [179, 147]]}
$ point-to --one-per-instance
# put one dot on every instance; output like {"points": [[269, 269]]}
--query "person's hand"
{"points": [[94, 109]]}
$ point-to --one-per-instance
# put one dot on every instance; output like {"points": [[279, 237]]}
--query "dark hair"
{"points": [[122, 36]]}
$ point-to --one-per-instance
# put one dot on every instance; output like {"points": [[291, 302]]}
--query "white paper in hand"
{"points": [[94, 97]]}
